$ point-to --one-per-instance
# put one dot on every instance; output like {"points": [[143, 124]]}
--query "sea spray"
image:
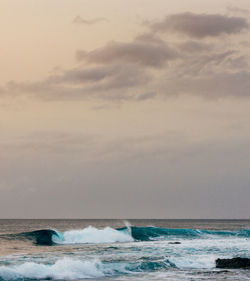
{"points": [[128, 226]]}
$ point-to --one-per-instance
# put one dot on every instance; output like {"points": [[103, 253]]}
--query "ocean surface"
{"points": [[121, 250]]}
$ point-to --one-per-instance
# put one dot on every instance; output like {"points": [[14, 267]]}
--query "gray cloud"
{"points": [[149, 67], [153, 54], [239, 62], [223, 84], [194, 47], [210, 86], [200, 25], [245, 44], [146, 96], [208, 74], [108, 82], [83, 75], [237, 10], [208, 62], [79, 20], [149, 38]]}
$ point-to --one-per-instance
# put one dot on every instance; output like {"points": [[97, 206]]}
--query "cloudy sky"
{"points": [[124, 109]]}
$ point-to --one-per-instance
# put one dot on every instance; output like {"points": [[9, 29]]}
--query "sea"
{"points": [[137, 250]]}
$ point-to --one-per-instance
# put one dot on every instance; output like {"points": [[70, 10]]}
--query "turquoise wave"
{"points": [[152, 233], [51, 237], [75, 269]]}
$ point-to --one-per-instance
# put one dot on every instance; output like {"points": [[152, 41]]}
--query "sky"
{"points": [[125, 109]]}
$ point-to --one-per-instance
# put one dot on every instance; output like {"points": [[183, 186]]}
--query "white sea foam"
{"points": [[194, 261], [93, 235], [63, 269]]}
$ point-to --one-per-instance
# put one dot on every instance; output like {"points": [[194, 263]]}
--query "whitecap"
{"points": [[63, 269], [93, 235]]}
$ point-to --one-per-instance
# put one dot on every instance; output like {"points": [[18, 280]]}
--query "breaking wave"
{"points": [[156, 233], [126, 234], [93, 235], [62, 269], [72, 269]]}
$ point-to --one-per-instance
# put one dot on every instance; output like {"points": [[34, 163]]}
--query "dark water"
{"points": [[121, 250]]}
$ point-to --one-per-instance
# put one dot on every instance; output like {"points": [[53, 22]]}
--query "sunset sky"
{"points": [[124, 109]]}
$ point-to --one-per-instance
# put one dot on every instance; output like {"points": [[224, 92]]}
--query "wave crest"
{"points": [[126, 234], [93, 235], [63, 269], [156, 233], [70, 269]]}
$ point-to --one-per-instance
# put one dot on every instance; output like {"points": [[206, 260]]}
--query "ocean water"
{"points": [[121, 250]]}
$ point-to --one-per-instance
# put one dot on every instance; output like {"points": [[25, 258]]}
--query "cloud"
{"points": [[200, 25], [238, 10], [146, 96], [239, 62], [83, 75], [141, 52], [149, 38], [149, 67], [208, 62], [223, 84], [207, 74], [194, 47], [111, 81], [211, 86], [79, 20]]}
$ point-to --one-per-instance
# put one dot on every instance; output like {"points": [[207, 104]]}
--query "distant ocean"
{"points": [[121, 250]]}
